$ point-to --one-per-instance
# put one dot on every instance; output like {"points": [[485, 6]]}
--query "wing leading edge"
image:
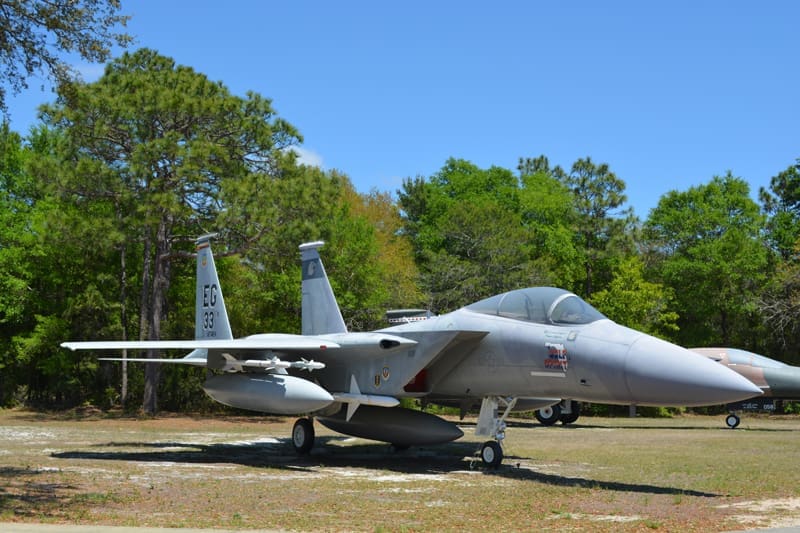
{"points": [[283, 343], [274, 342]]}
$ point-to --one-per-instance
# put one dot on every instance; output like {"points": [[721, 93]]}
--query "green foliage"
{"points": [[159, 151], [35, 33], [479, 232], [475, 232], [779, 308], [706, 246], [359, 283], [549, 214], [368, 265], [791, 408], [49, 290], [15, 212], [780, 303], [782, 205], [399, 273], [427, 204], [603, 230], [634, 302]]}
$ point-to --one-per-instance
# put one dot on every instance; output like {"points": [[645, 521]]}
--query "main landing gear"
{"points": [[547, 416], [492, 425], [303, 436], [567, 411]]}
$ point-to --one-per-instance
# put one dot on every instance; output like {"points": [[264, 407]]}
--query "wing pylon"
{"points": [[354, 398]]}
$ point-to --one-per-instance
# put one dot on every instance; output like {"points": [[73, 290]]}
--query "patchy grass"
{"points": [[687, 473]]}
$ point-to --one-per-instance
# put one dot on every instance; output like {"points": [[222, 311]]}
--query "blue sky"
{"points": [[668, 93]]}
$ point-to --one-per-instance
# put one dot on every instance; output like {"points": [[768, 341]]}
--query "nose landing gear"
{"points": [[491, 454], [492, 425]]}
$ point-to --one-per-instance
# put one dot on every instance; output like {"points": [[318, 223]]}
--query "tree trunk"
{"points": [[160, 288], [589, 286], [726, 341], [123, 296], [149, 402], [144, 300]]}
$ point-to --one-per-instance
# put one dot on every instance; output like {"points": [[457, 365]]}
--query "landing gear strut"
{"points": [[574, 413], [303, 436], [492, 425]]}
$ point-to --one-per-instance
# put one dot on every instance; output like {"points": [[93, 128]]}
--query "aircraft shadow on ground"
{"points": [[331, 453], [655, 426]]}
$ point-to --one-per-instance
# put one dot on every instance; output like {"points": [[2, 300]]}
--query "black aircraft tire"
{"points": [[732, 420], [548, 415], [303, 436], [571, 418], [491, 454]]}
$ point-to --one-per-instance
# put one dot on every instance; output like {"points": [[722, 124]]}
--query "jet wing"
{"points": [[455, 346], [193, 361], [219, 354], [276, 342]]}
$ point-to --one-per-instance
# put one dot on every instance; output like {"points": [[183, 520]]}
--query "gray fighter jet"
{"points": [[543, 343], [777, 381]]}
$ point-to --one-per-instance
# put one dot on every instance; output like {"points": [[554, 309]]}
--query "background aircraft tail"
{"points": [[320, 311], [211, 317]]}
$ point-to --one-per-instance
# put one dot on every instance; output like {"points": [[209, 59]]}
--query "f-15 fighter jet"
{"points": [[540, 342]]}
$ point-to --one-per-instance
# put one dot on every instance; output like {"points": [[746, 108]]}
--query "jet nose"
{"points": [[660, 373]]}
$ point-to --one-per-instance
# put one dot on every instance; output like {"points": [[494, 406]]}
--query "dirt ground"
{"points": [[681, 474]]}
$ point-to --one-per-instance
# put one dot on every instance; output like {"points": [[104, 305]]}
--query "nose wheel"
{"points": [[732, 420], [492, 424], [491, 454]]}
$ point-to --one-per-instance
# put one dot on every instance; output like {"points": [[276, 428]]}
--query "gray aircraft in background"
{"points": [[530, 346], [777, 380]]}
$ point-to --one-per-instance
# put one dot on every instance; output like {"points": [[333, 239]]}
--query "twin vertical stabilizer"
{"points": [[211, 317], [321, 313]]}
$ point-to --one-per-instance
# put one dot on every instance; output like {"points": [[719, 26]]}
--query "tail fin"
{"points": [[321, 313], [211, 317]]}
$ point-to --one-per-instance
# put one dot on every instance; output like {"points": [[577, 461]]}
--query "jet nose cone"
{"points": [[660, 373]]}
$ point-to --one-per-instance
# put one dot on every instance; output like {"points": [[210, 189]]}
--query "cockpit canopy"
{"points": [[543, 305], [743, 357]]}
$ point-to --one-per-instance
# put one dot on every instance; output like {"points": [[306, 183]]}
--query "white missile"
{"points": [[275, 363]]}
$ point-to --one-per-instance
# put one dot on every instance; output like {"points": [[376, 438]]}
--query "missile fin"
{"points": [[352, 406]]}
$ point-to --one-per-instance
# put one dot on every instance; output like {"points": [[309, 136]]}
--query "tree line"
{"points": [[103, 198]]}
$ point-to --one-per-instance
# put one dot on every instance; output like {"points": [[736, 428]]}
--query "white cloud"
{"points": [[89, 72], [307, 157]]}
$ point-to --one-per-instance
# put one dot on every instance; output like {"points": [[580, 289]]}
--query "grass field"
{"points": [[683, 474]]}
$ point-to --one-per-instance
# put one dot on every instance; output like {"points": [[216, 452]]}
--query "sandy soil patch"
{"points": [[770, 513]]}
